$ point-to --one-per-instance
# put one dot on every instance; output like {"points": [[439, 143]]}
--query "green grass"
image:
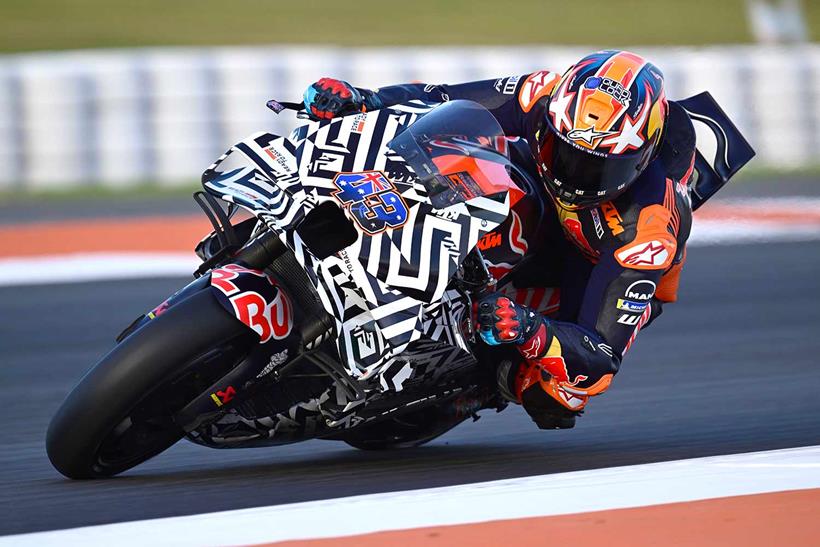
{"points": [[59, 24]]}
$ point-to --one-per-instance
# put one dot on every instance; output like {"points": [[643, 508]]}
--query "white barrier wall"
{"points": [[121, 118]]}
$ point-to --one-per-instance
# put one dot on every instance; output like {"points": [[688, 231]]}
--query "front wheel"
{"points": [[119, 415]]}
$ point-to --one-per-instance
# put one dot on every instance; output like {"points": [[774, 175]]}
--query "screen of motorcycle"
{"points": [[458, 152]]}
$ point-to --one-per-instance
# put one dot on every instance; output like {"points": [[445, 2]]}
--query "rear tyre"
{"points": [[119, 414]]}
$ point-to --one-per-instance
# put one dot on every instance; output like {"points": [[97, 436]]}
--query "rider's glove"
{"points": [[502, 321], [329, 98]]}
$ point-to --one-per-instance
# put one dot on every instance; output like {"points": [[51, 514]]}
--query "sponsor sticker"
{"points": [[159, 310], [557, 368], [358, 123], [573, 228], [490, 240], [613, 218], [223, 396], [588, 135], [652, 254], [596, 219], [446, 214], [640, 291], [631, 305], [283, 162], [536, 345], [270, 319], [611, 87], [507, 85], [628, 319]]}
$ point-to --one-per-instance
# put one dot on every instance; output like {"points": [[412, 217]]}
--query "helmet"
{"points": [[603, 125]]}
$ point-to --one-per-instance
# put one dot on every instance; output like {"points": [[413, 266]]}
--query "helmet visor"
{"points": [[582, 177]]}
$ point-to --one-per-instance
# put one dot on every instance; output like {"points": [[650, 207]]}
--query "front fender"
{"points": [[191, 288]]}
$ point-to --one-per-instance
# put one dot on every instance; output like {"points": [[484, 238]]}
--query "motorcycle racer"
{"points": [[615, 158]]}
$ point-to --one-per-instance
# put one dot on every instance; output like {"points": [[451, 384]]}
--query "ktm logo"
{"points": [[613, 218], [489, 241]]}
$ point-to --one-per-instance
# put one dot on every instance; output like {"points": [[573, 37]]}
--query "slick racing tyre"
{"points": [[120, 413]]}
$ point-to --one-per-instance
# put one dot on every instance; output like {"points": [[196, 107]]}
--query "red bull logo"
{"points": [[557, 368], [572, 227]]}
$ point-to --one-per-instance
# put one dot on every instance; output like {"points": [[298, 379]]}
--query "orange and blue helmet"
{"points": [[603, 125]]}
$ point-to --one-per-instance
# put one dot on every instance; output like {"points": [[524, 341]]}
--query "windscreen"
{"points": [[458, 151]]}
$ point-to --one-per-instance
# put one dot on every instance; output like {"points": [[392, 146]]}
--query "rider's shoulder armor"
{"points": [[535, 87]]}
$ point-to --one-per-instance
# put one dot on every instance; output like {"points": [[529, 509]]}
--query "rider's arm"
{"points": [[583, 355], [599, 320], [509, 99]]}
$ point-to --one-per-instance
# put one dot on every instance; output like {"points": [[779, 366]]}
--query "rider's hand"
{"points": [[502, 321], [329, 98]]}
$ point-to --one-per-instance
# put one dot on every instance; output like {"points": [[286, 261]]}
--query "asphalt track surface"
{"points": [[732, 368]]}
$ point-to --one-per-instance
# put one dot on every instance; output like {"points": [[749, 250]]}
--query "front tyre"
{"points": [[119, 414]]}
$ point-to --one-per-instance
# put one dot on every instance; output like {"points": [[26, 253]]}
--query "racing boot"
{"points": [[515, 384]]}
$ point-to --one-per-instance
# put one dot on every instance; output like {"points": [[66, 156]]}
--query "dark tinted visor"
{"points": [[579, 176]]}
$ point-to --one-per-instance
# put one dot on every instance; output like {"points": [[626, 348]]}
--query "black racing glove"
{"points": [[502, 321], [329, 98]]}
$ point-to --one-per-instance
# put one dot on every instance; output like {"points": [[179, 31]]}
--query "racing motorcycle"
{"points": [[339, 307]]}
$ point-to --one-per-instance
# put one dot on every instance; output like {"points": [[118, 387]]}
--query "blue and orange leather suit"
{"points": [[594, 277]]}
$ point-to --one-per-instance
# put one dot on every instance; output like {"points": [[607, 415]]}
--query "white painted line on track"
{"points": [[543, 495]]}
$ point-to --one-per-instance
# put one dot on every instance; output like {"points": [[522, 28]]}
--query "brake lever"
{"points": [[279, 106]]}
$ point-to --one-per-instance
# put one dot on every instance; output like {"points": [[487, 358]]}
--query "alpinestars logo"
{"points": [[652, 254], [534, 348], [536, 86], [588, 135]]}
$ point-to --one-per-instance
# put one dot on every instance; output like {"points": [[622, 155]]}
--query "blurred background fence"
{"points": [[195, 74], [123, 117]]}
